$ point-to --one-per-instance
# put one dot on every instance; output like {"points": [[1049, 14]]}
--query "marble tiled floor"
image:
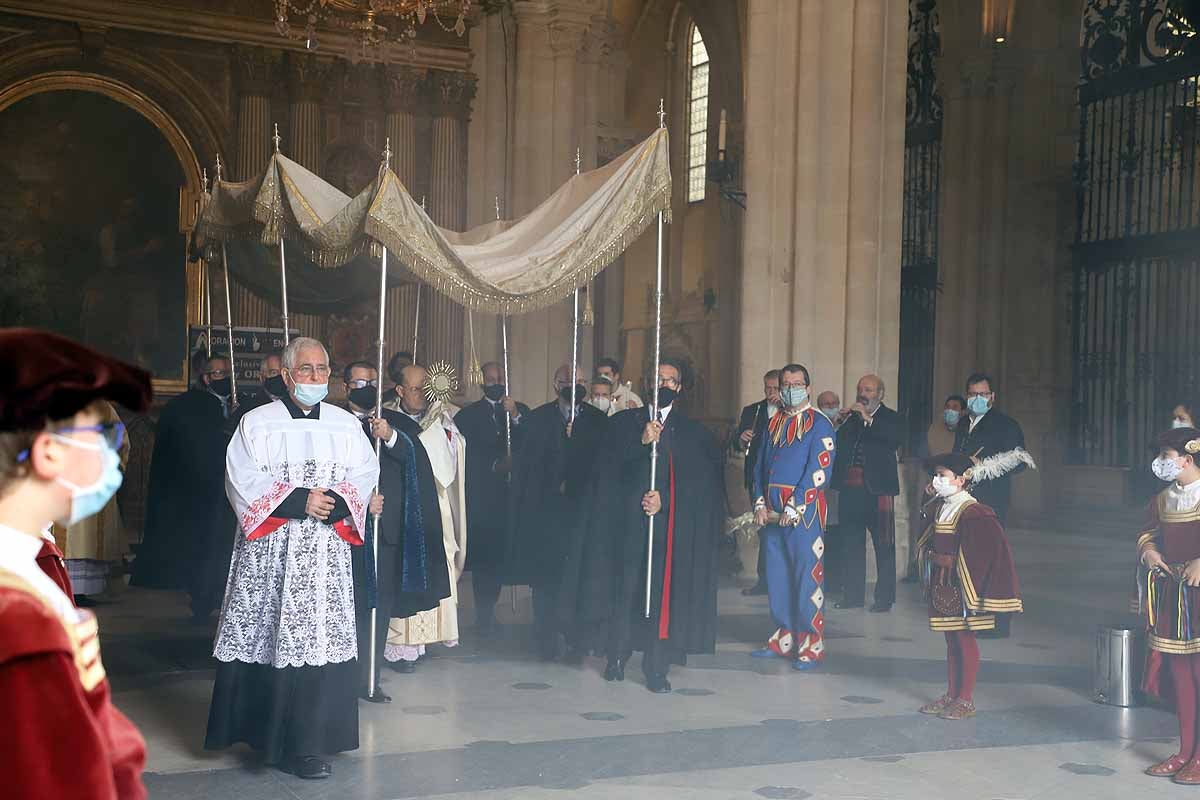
{"points": [[486, 720]]}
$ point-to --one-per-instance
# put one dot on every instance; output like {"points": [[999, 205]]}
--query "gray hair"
{"points": [[295, 346]]}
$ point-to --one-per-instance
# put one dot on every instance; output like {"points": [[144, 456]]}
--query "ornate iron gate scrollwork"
{"points": [[1136, 279], [919, 255]]}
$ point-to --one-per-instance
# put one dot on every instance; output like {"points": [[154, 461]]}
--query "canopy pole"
{"points": [[416, 321], [229, 328], [379, 343], [512, 590], [207, 278], [575, 326], [282, 265], [658, 294]]}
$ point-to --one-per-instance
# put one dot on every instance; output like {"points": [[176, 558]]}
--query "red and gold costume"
{"points": [[68, 740], [1170, 606], [967, 570]]}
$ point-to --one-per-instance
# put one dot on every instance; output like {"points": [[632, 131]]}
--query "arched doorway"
{"points": [[100, 187]]}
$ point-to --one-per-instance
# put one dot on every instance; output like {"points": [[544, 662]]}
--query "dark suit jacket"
{"points": [[487, 490], [880, 442], [754, 417], [391, 483], [995, 433]]}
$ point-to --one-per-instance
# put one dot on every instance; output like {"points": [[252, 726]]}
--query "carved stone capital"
{"points": [[308, 77], [451, 93], [567, 37], [256, 70], [401, 87]]}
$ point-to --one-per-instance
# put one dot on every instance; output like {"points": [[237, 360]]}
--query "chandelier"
{"points": [[298, 19]]}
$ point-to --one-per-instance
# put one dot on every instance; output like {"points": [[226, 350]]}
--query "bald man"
{"points": [[551, 472], [867, 481]]}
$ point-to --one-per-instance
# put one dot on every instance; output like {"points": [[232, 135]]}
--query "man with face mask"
{"points": [[551, 472], [441, 476], [684, 513], [58, 463], [867, 480], [751, 425], [624, 398], [987, 433], [940, 438], [299, 474], [488, 467], [186, 520], [789, 503], [601, 396]]}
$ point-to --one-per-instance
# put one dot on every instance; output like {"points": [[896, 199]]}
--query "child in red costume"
{"points": [[967, 569], [1169, 551], [57, 463]]}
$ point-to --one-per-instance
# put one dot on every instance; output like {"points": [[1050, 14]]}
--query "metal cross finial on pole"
{"points": [[276, 138], [658, 294], [497, 208], [387, 152], [204, 179], [218, 180]]}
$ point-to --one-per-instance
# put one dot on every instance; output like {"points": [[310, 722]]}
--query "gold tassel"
{"points": [[589, 315], [474, 370]]}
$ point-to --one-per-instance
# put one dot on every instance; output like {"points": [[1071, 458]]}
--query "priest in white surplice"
{"points": [[299, 473], [433, 431]]}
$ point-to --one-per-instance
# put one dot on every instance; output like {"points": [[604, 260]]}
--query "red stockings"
{"points": [[1185, 677], [962, 664]]}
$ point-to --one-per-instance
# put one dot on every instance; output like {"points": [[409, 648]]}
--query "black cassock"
{"points": [[689, 480], [189, 525]]}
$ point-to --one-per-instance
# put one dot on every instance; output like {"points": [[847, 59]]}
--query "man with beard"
{"points": [[186, 519], [441, 479], [488, 466], [687, 510], [551, 473]]}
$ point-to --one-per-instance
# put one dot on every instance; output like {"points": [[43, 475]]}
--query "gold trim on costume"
{"points": [[83, 634], [971, 622], [1175, 647], [1176, 517]]}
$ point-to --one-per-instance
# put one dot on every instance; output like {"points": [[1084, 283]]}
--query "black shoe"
{"points": [[309, 768], [658, 684], [404, 667], [615, 670], [881, 608], [755, 590], [844, 604], [380, 696]]}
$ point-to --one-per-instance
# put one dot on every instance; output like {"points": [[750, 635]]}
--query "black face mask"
{"points": [[666, 396], [275, 386], [565, 393], [494, 392], [221, 386], [364, 396]]}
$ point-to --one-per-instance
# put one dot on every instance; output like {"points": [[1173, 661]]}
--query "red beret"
{"points": [[46, 377]]}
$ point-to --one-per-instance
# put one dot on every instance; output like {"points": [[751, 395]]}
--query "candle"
{"points": [[721, 137]]}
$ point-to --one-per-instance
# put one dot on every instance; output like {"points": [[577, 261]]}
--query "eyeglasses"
{"points": [[309, 370], [361, 383], [217, 373], [668, 382], [112, 432]]}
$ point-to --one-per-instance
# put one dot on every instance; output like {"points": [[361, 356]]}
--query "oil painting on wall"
{"points": [[89, 228]]}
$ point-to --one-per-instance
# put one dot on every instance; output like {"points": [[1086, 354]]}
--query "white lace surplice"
{"points": [[290, 596]]}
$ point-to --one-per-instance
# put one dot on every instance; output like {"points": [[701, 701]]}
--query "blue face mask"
{"points": [[951, 416], [978, 405], [794, 396], [309, 394], [89, 500]]}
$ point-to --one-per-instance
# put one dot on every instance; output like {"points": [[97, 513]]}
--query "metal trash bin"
{"points": [[1117, 669]]}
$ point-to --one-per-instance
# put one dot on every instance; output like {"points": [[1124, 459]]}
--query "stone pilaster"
{"points": [[401, 88], [307, 81]]}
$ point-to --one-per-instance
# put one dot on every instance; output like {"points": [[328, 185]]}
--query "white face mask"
{"points": [[944, 486], [1166, 469], [602, 403], [772, 409], [1179, 423]]}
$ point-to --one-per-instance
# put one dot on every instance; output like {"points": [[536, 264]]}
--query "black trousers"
{"points": [[486, 582], [858, 513], [386, 590]]}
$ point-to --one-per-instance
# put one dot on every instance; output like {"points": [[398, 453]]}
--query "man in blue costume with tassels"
{"points": [[789, 488]]}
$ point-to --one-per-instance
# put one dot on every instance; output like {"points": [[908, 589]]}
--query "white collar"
{"points": [[665, 412], [18, 554], [1183, 498], [953, 503]]}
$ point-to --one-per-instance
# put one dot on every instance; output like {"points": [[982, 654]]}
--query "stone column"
{"points": [[257, 74], [451, 94], [546, 131], [824, 134], [307, 79]]}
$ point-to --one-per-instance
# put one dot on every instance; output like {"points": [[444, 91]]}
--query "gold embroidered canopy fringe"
{"points": [[503, 267]]}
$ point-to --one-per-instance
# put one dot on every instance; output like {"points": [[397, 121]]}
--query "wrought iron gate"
{"points": [[919, 254], [1136, 269]]}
